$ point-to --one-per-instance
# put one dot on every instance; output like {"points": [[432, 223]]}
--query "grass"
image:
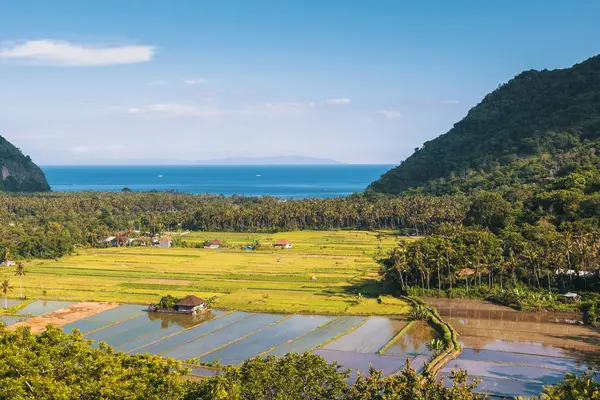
{"points": [[268, 279]]}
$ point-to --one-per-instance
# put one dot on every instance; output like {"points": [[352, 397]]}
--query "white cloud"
{"points": [[84, 150], [156, 83], [449, 102], [175, 110], [194, 81], [280, 109], [342, 100], [389, 114], [65, 54]]}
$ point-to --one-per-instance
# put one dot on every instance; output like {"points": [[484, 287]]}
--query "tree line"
{"points": [[54, 224], [59, 366]]}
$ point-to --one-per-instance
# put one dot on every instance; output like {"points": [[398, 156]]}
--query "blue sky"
{"points": [[114, 82]]}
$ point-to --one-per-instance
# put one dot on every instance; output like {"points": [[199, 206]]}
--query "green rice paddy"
{"points": [[322, 274]]}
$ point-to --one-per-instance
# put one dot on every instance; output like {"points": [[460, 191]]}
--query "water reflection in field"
{"points": [[517, 353]]}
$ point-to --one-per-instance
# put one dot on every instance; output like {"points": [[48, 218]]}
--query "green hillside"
{"points": [[17, 172], [539, 127]]}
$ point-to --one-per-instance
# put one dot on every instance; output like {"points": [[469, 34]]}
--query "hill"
{"points": [[17, 172], [538, 127]]}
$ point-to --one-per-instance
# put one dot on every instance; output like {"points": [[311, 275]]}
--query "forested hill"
{"points": [[530, 131], [17, 172]]}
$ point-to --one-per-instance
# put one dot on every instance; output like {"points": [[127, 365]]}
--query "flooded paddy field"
{"points": [[516, 353], [231, 337]]}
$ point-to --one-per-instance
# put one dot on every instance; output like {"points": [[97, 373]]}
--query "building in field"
{"points": [[165, 242], [191, 304], [284, 244], [8, 263], [213, 244]]}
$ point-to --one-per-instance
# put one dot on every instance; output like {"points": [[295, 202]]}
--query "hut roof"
{"points": [[191, 301], [215, 242], [466, 272], [282, 242]]}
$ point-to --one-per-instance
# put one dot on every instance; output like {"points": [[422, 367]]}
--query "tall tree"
{"points": [[5, 288], [20, 272]]}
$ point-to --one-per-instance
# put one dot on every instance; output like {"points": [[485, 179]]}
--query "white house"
{"points": [[284, 244], [165, 242], [8, 263]]}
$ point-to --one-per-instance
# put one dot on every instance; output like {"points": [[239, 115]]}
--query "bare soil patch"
{"points": [[165, 281], [64, 316]]}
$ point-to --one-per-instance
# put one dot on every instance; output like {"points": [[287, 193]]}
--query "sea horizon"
{"points": [[277, 180]]}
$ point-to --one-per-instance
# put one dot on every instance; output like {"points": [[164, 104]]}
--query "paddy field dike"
{"points": [[322, 273]]}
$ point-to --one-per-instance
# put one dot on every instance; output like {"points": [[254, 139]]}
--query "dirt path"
{"points": [[64, 316]]}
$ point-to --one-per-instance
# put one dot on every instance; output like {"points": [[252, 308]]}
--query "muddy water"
{"points": [[414, 341], [516, 353]]}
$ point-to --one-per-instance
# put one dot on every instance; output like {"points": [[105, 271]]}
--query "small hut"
{"points": [[191, 304], [213, 244], [284, 244]]}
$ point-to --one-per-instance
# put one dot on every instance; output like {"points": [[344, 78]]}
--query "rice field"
{"points": [[517, 353], [230, 338], [41, 307], [321, 274]]}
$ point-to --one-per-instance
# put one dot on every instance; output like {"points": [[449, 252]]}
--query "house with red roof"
{"points": [[284, 244], [213, 244]]}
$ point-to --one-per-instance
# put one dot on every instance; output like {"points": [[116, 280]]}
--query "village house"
{"points": [[284, 244], [191, 304], [165, 242], [111, 240], [213, 244], [8, 263]]}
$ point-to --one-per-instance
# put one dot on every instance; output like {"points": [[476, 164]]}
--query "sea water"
{"points": [[297, 181]]}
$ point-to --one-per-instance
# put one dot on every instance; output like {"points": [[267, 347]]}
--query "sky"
{"points": [[358, 81]]}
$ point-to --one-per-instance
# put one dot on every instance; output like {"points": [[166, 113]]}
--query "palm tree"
{"points": [[20, 272], [5, 287]]}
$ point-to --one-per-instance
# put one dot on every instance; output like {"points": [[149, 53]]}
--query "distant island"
{"points": [[274, 160], [277, 160]]}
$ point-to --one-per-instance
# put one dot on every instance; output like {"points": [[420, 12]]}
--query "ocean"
{"points": [[297, 181]]}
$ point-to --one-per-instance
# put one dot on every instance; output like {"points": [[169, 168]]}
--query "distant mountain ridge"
{"points": [[17, 172], [276, 160], [539, 125]]}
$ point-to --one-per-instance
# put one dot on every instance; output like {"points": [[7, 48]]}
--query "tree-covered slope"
{"points": [[524, 132], [17, 172]]}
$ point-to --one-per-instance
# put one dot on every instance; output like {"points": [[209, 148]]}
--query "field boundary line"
{"points": [[12, 310], [114, 324], [188, 329], [245, 336], [393, 340], [298, 337], [333, 339]]}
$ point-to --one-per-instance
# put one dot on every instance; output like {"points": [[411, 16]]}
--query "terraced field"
{"points": [[322, 274], [517, 353], [230, 338]]}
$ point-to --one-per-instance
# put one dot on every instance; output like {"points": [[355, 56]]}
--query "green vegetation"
{"points": [[167, 302], [5, 287], [584, 386], [524, 266], [323, 273], [54, 225], [538, 126], [55, 365], [17, 172]]}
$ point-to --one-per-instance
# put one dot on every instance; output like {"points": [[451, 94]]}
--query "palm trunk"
{"points": [[21, 287], [5, 300]]}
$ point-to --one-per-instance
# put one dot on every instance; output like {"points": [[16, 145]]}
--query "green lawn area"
{"points": [[268, 279]]}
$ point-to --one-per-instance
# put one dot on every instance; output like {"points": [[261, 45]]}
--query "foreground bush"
{"points": [[55, 365]]}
